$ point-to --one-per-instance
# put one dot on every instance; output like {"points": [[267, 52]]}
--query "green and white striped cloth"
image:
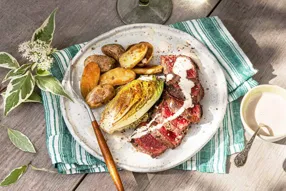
{"points": [[70, 158]]}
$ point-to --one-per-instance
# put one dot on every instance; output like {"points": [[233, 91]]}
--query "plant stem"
{"points": [[3, 88], [41, 169]]}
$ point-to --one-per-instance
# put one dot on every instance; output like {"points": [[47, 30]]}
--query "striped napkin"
{"points": [[70, 158]]}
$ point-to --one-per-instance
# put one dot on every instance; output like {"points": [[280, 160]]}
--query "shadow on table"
{"points": [[143, 180], [260, 56], [166, 181]]}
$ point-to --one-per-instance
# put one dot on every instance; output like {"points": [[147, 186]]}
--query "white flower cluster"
{"points": [[37, 52]]}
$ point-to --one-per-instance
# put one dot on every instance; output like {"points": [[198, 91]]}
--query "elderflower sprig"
{"points": [[37, 52], [25, 77]]}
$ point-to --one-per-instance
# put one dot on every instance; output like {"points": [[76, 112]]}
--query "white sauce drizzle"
{"points": [[181, 65], [145, 78], [169, 77]]}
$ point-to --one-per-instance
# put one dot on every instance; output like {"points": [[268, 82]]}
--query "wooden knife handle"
{"points": [[107, 157]]}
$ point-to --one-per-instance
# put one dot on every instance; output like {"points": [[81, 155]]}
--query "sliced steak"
{"points": [[149, 145], [169, 134], [172, 133], [172, 85], [168, 61], [197, 92]]}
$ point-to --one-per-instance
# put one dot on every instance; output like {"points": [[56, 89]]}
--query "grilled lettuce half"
{"points": [[131, 103]]}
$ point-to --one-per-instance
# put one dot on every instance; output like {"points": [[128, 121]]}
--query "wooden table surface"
{"points": [[259, 26]]}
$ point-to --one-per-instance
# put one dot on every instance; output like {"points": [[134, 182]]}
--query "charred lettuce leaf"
{"points": [[131, 103]]}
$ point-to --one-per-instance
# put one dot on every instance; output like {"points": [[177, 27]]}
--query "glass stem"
{"points": [[143, 2]]}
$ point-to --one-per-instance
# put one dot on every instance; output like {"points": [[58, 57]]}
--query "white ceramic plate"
{"points": [[165, 40]]}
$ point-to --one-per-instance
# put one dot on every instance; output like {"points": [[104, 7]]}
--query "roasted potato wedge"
{"points": [[100, 95], [117, 76], [90, 78], [128, 47], [105, 63], [113, 50], [148, 56], [155, 69], [133, 56]]}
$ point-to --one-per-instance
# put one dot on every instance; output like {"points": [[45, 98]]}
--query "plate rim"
{"points": [[107, 35]]}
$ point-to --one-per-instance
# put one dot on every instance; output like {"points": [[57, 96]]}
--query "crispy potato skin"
{"points": [[100, 95], [105, 63], [133, 56], [128, 47], [113, 50], [155, 69], [90, 78], [148, 56], [117, 76]]}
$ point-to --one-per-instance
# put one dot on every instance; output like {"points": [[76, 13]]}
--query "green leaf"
{"points": [[8, 61], [21, 141], [46, 31], [34, 66], [43, 73], [51, 84], [14, 176], [17, 72], [18, 90], [34, 97]]}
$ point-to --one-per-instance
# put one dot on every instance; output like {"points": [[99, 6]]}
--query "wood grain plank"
{"points": [[103, 181], [190, 9], [262, 172], [32, 124], [143, 180], [259, 28]]}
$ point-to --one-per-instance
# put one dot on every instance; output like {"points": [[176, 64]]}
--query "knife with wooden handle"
{"points": [[107, 156]]}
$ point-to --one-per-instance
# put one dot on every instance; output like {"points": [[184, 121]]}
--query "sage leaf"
{"points": [[18, 90], [21, 141], [51, 84], [34, 97], [43, 73], [8, 61], [17, 72], [46, 31], [14, 176]]}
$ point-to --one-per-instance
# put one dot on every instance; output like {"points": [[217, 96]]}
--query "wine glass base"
{"points": [[157, 11]]}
